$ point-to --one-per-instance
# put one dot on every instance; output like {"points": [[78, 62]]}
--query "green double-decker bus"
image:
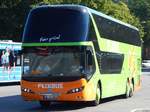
{"points": [[74, 53]]}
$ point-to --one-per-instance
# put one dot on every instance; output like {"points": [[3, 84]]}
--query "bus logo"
{"points": [[50, 86], [47, 39]]}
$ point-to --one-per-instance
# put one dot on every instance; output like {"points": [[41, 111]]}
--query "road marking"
{"points": [[141, 110]]}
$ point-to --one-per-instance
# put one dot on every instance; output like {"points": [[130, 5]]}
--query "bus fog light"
{"points": [[27, 90]]}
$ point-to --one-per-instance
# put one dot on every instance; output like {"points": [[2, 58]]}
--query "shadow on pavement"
{"points": [[60, 106], [112, 99], [9, 83], [17, 104]]}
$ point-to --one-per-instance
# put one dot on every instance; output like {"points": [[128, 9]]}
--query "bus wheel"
{"points": [[129, 90], [98, 96], [44, 104]]}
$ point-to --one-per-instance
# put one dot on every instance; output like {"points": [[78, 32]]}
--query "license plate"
{"points": [[48, 97]]}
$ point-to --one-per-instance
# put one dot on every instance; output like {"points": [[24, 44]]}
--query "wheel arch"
{"points": [[132, 81], [100, 85]]}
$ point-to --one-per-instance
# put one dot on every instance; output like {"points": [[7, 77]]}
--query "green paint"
{"points": [[112, 84]]}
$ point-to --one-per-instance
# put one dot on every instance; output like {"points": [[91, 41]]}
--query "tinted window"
{"points": [[65, 62], [49, 24], [92, 36], [114, 31], [111, 63]]}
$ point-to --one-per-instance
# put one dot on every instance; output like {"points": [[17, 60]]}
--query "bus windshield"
{"points": [[56, 25], [52, 62]]}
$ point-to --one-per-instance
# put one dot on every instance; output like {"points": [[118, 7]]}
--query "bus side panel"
{"points": [[131, 67]]}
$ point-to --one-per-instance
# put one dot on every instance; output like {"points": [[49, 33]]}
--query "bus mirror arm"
{"points": [[89, 57]]}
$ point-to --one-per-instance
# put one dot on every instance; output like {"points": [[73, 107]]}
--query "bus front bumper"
{"points": [[77, 91]]}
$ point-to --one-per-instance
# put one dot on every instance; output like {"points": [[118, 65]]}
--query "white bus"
{"points": [[10, 61]]}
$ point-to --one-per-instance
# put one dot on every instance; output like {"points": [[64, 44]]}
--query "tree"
{"points": [[8, 3], [12, 18], [14, 13], [141, 8], [116, 9]]}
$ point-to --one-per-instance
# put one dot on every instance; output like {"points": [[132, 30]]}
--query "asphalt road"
{"points": [[11, 101]]}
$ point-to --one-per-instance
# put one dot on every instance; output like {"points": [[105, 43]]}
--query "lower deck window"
{"points": [[110, 63]]}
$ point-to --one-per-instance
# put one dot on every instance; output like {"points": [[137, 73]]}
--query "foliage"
{"points": [[121, 11], [141, 8], [14, 13], [8, 3], [117, 10], [12, 18]]}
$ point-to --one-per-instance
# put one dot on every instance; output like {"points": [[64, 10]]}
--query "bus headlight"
{"points": [[75, 90]]}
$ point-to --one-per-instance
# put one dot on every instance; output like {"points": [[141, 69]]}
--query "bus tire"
{"points": [[44, 104], [98, 96], [129, 89]]}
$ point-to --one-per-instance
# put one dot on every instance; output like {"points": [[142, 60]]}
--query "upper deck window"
{"points": [[56, 24]]}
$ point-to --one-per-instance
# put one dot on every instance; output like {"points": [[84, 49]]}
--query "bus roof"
{"points": [[113, 19], [82, 8], [49, 32]]}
